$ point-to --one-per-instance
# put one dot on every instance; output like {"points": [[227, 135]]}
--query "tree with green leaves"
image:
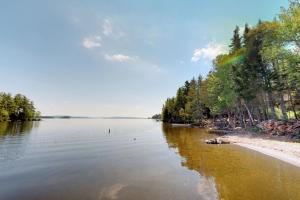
{"points": [[258, 79], [16, 108], [236, 43]]}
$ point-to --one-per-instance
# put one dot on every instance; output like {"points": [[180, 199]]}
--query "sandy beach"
{"points": [[286, 151]]}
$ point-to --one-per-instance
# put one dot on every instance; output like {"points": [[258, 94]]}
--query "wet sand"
{"points": [[286, 151]]}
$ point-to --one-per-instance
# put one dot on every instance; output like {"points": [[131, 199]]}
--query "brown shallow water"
{"points": [[139, 159]]}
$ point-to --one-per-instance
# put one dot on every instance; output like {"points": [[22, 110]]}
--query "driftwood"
{"points": [[217, 141], [278, 127]]}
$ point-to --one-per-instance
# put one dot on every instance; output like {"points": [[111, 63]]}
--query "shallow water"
{"points": [[139, 159]]}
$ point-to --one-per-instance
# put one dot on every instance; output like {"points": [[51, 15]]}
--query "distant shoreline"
{"points": [[84, 117]]}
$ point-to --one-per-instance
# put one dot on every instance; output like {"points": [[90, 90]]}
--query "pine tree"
{"points": [[236, 40], [246, 35]]}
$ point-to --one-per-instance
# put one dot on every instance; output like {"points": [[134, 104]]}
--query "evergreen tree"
{"points": [[15, 108], [236, 40], [259, 76], [246, 35]]}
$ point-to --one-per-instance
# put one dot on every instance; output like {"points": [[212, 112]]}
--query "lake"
{"points": [[139, 159]]}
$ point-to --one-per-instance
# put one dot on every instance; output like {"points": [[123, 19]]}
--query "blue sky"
{"points": [[114, 58]]}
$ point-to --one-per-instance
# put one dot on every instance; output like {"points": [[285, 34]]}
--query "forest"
{"points": [[17, 108], [256, 80]]}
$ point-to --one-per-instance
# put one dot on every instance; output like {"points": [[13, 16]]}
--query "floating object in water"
{"points": [[134, 138], [108, 130]]}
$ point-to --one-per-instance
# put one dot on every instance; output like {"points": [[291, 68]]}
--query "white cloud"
{"points": [[118, 58], [107, 27], [92, 42], [137, 65], [209, 52]]}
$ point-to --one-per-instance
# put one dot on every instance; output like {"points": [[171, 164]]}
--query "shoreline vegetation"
{"points": [[17, 108], [257, 80], [86, 117], [254, 88]]}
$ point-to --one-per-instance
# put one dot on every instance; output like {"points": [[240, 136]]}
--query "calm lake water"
{"points": [[139, 159]]}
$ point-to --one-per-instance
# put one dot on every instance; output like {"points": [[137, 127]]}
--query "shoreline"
{"points": [[288, 152]]}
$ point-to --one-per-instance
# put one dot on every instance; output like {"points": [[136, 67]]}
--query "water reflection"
{"points": [[14, 138], [78, 159], [237, 172], [111, 192], [15, 128], [206, 188]]}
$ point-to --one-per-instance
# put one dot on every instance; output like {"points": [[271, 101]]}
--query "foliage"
{"points": [[257, 79], [156, 116], [187, 106], [17, 107]]}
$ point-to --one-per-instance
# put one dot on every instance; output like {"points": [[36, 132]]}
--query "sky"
{"points": [[115, 58]]}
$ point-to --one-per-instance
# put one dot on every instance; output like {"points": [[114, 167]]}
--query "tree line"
{"points": [[258, 79], [17, 108]]}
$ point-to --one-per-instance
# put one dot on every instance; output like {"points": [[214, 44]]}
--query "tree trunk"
{"points": [[228, 119], [264, 108], [271, 105], [249, 113], [283, 108], [234, 120], [292, 103], [259, 115], [240, 116], [244, 119]]}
